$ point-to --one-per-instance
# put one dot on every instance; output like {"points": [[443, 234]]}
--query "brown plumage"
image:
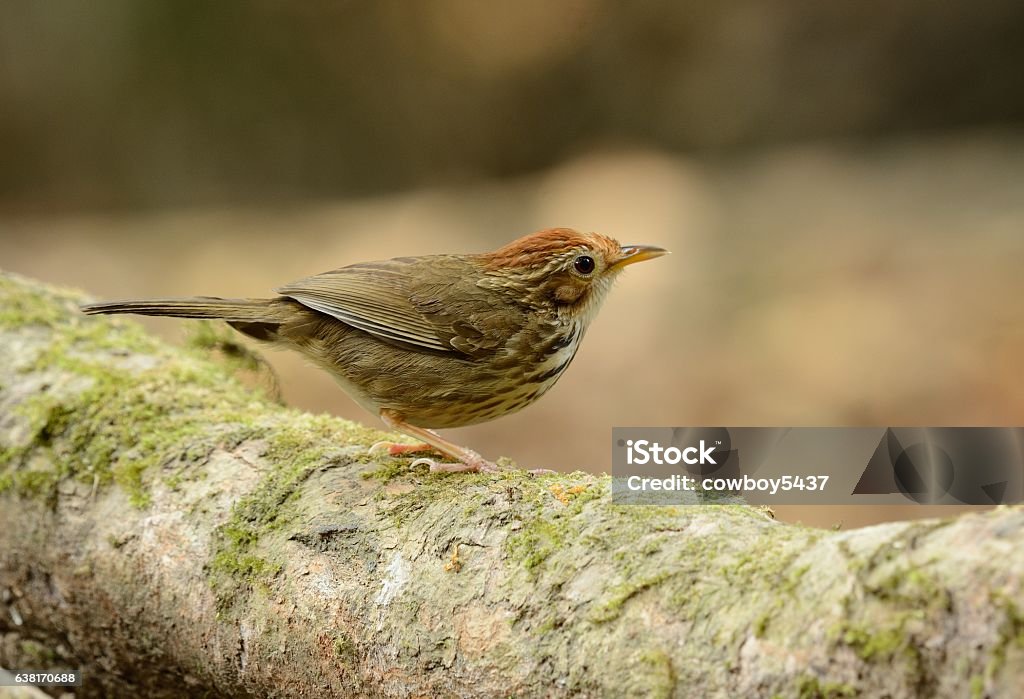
{"points": [[435, 341]]}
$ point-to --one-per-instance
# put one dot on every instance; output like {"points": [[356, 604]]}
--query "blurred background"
{"points": [[841, 183]]}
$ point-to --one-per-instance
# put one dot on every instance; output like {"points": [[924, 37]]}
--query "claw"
{"points": [[380, 447], [474, 463], [436, 467], [479, 465]]}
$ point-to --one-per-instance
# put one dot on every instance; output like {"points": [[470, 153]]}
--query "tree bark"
{"points": [[166, 529]]}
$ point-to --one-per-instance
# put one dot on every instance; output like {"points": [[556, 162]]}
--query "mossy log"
{"points": [[167, 530]]}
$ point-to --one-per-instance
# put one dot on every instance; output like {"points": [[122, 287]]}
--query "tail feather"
{"points": [[238, 310]]}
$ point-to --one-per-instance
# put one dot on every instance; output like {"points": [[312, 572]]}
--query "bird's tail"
{"points": [[231, 310]]}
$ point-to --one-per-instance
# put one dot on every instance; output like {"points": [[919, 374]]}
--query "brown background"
{"points": [[841, 184]]}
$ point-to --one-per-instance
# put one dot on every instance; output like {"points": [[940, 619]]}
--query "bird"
{"points": [[434, 341]]}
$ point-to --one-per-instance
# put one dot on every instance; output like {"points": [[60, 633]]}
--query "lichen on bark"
{"points": [[163, 525]]}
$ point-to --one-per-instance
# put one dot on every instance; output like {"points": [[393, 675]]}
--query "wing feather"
{"points": [[377, 298]]}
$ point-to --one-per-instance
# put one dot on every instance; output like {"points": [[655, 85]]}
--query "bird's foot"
{"points": [[476, 465], [395, 449], [471, 463], [466, 460]]}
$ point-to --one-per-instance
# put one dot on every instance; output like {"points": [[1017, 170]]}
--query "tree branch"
{"points": [[163, 527]]}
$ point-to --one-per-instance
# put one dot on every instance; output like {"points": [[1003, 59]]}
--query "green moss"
{"points": [[118, 421], [173, 481], [37, 653], [611, 607], [761, 624], [580, 499], [810, 687], [1011, 633], [977, 687], [550, 518], [871, 646], [207, 337], [115, 430], [465, 488], [786, 583], [344, 648], [41, 485], [116, 542], [909, 597], [245, 566], [220, 340], [240, 556], [792, 577], [552, 622], [911, 589], [897, 598], [532, 545], [659, 674], [77, 338], [677, 554], [393, 468], [25, 305]]}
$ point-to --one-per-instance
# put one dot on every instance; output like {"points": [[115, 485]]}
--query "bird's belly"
{"points": [[438, 391], [356, 393], [497, 395]]}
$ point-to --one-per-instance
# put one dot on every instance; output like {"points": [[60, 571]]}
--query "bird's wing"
{"points": [[404, 300]]}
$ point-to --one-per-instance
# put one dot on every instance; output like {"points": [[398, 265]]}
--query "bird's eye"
{"points": [[584, 264]]}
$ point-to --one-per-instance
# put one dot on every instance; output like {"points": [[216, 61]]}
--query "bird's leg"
{"points": [[468, 460]]}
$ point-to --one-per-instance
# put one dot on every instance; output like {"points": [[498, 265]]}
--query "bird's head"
{"points": [[563, 270]]}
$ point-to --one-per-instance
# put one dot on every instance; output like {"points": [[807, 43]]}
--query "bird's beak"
{"points": [[629, 254]]}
